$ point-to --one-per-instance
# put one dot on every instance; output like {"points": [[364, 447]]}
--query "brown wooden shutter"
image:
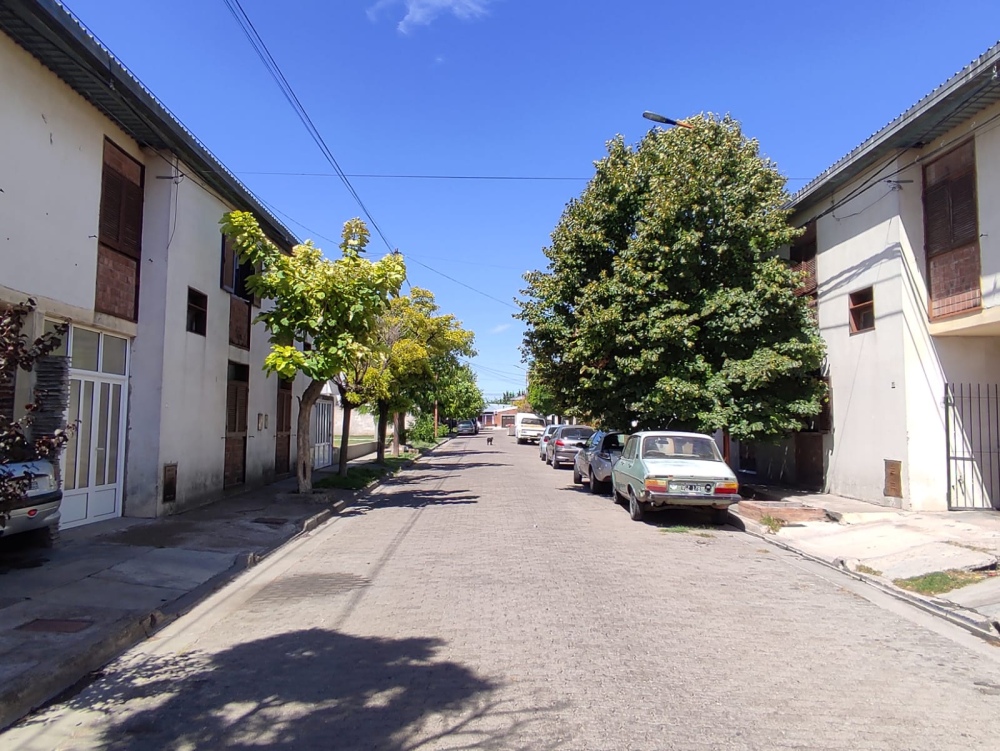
{"points": [[964, 224], [242, 397], [131, 221], [228, 264], [112, 196], [232, 389], [937, 219]]}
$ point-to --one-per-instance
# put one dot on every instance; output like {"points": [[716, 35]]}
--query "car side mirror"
{"points": [[581, 444]]}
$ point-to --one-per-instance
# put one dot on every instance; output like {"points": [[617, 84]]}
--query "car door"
{"points": [[622, 470]]}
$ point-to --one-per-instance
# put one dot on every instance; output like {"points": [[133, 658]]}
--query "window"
{"points": [[234, 274], [119, 235], [197, 312], [951, 232], [862, 310]]}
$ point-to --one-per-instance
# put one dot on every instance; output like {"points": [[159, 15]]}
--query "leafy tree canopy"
{"points": [[664, 302]]}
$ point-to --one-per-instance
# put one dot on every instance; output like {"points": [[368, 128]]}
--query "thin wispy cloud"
{"points": [[424, 12], [500, 328]]}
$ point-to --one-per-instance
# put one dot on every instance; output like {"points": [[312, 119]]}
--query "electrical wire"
{"points": [[259, 46], [424, 177]]}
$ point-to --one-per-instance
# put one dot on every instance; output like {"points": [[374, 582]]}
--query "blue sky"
{"points": [[517, 88]]}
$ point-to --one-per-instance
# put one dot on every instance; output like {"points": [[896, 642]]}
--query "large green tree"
{"points": [[324, 313], [664, 302]]}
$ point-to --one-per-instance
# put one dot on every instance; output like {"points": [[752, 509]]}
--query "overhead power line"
{"points": [[423, 177]]}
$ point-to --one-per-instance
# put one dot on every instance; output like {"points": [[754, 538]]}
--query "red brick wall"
{"points": [[117, 284], [954, 281]]}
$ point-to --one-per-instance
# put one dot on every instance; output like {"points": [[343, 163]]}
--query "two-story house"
{"points": [[109, 219], [903, 262]]}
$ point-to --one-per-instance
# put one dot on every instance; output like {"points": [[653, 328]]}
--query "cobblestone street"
{"points": [[480, 600]]}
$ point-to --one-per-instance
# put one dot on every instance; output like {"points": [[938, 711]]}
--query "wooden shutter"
{"points": [[228, 264], [232, 389], [937, 219], [242, 397], [112, 197], [131, 222], [120, 220], [964, 224]]}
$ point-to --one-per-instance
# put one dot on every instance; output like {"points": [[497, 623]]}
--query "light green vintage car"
{"points": [[668, 469]]}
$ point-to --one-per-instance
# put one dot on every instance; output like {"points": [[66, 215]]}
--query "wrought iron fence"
{"points": [[972, 443]]}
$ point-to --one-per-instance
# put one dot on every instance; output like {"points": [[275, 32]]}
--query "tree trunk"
{"points": [[345, 437], [435, 419], [383, 420], [303, 451], [397, 433]]}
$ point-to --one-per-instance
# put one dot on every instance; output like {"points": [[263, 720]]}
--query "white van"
{"points": [[528, 427]]}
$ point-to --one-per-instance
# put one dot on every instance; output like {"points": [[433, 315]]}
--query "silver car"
{"points": [[596, 458], [667, 469], [564, 443], [549, 430], [38, 511]]}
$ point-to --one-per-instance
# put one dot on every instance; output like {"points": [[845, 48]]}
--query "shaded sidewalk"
{"points": [[884, 545], [66, 612]]}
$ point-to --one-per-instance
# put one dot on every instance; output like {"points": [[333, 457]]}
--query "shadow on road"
{"points": [[311, 688], [410, 499]]}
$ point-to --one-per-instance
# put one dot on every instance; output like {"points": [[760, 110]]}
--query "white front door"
{"points": [[322, 433], [93, 463]]}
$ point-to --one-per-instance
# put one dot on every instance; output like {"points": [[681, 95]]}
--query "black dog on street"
{"points": [[489, 440]]}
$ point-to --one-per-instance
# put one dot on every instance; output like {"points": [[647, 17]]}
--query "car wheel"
{"points": [[541, 456], [46, 537], [556, 464], [596, 486], [577, 477], [636, 510], [720, 516]]}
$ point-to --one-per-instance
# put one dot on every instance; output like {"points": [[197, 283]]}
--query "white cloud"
{"points": [[423, 12], [500, 329]]}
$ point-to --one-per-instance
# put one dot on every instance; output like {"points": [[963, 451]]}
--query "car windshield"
{"points": [[680, 447], [532, 421], [576, 434]]}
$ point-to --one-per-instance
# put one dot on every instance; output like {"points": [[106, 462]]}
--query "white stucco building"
{"points": [[906, 264], [110, 212]]}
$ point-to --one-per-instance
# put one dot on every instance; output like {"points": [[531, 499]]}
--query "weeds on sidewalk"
{"points": [[863, 569], [362, 476], [940, 582], [680, 529], [771, 523]]}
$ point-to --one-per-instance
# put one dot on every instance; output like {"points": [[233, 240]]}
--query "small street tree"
{"points": [[664, 302], [22, 439], [324, 312]]}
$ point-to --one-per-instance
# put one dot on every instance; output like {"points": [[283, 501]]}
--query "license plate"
{"points": [[700, 488]]}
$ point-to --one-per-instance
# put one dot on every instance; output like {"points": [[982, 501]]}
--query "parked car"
{"points": [[38, 512], [549, 430], [528, 427], [596, 458], [466, 427], [666, 469], [565, 442]]}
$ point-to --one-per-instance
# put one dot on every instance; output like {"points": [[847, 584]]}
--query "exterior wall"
{"points": [[182, 241], [54, 144], [858, 247]]}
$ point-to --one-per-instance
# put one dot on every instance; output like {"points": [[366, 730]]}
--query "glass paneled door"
{"points": [[94, 460]]}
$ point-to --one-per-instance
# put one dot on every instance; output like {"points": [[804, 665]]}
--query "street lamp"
{"points": [[665, 120]]}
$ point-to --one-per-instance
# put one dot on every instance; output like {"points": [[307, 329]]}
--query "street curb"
{"points": [[25, 694], [973, 622]]}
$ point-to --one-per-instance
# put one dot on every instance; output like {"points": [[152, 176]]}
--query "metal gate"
{"points": [[972, 443]]}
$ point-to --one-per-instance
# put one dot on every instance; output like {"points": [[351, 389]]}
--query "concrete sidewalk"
{"points": [[885, 545], [66, 612]]}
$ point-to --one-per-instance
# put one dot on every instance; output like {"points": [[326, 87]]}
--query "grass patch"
{"points": [[681, 529], [863, 569], [940, 581], [355, 439], [362, 475], [771, 523]]}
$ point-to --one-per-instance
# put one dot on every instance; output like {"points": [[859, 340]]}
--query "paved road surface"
{"points": [[480, 601]]}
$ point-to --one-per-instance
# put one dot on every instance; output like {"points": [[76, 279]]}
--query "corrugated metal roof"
{"points": [[60, 41], [971, 90]]}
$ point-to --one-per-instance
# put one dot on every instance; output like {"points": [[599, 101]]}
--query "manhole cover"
{"points": [[271, 521], [54, 626]]}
